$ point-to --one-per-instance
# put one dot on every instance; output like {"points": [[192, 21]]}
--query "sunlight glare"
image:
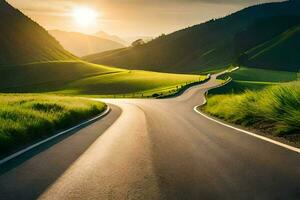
{"points": [[84, 16]]}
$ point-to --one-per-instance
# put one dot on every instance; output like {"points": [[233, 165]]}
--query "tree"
{"points": [[138, 42]]}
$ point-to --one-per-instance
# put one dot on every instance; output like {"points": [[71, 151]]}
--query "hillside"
{"points": [[24, 41], [211, 44], [58, 74], [246, 79], [281, 51], [83, 44], [80, 78]]}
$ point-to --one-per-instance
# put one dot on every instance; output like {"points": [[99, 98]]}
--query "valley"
{"points": [[210, 111]]}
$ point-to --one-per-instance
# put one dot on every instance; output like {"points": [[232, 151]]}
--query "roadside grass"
{"points": [[28, 118], [274, 109]]}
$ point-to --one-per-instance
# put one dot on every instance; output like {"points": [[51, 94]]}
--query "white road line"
{"points": [[249, 133], [53, 137]]}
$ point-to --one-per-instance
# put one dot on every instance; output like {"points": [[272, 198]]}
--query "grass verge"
{"points": [[274, 110], [25, 119]]}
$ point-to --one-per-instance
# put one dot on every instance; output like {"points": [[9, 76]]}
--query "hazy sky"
{"points": [[129, 17]]}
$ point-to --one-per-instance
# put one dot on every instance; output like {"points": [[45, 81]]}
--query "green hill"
{"points": [[79, 78], [246, 79], [24, 41], [55, 73], [211, 44], [277, 53]]}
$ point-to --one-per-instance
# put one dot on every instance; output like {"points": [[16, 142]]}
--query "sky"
{"points": [[128, 18]]}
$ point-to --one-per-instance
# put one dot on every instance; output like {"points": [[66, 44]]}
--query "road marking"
{"points": [[297, 150], [4, 160]]}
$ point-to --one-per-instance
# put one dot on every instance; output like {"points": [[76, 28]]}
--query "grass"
{"points": [[253, 79], [81, 78], [274, 109], [27, 118], [128, 83], [262, 75], [278, 53], [21, 78]]}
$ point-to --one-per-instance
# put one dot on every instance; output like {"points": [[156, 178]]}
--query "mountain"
{"points": [[24, 41], [83, 44], [107, 36], [216, 43]]}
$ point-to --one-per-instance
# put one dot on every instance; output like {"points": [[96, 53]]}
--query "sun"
{"points": [[84, 16]]}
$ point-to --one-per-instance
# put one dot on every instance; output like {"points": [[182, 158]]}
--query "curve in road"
{"points": [[162, 149]]}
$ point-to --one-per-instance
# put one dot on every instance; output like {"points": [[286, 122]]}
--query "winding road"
{"points": [[155, 149]]}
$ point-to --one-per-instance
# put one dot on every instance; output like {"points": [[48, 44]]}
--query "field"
{"points": [[81, 78], [253, 79], [129, 83], [27, 118], [274, 109], [262, 75]]}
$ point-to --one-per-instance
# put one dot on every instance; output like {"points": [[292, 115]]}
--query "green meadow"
{"points": [[253, 79], [27, 118], [86, 79], [129, 84]]}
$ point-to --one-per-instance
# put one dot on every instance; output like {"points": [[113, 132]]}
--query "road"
{"points": [[157, 149]]}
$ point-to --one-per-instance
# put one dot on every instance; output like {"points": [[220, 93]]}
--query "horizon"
{"points": [[135, 18]]}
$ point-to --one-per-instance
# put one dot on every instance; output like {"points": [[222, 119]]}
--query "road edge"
{"points": [[31, 147], [294, 149]]}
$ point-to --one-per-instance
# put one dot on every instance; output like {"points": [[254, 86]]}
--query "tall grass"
{"points": [[28, 118], [275, 109]]}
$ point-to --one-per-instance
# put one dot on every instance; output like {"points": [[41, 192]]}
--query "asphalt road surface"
{"points": [[156, 149]]}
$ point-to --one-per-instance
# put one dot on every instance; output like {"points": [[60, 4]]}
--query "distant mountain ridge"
{"points": [[82, 44], [107, 36], [125, 40], [24, 41], [215, 43]]}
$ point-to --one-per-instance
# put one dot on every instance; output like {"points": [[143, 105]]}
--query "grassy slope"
{"points": [[129, 82], [14, 78], [253, 79], [281, 51], [23, 41], [274, 109], [81, 78], [261, 75], [27, 118]]}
